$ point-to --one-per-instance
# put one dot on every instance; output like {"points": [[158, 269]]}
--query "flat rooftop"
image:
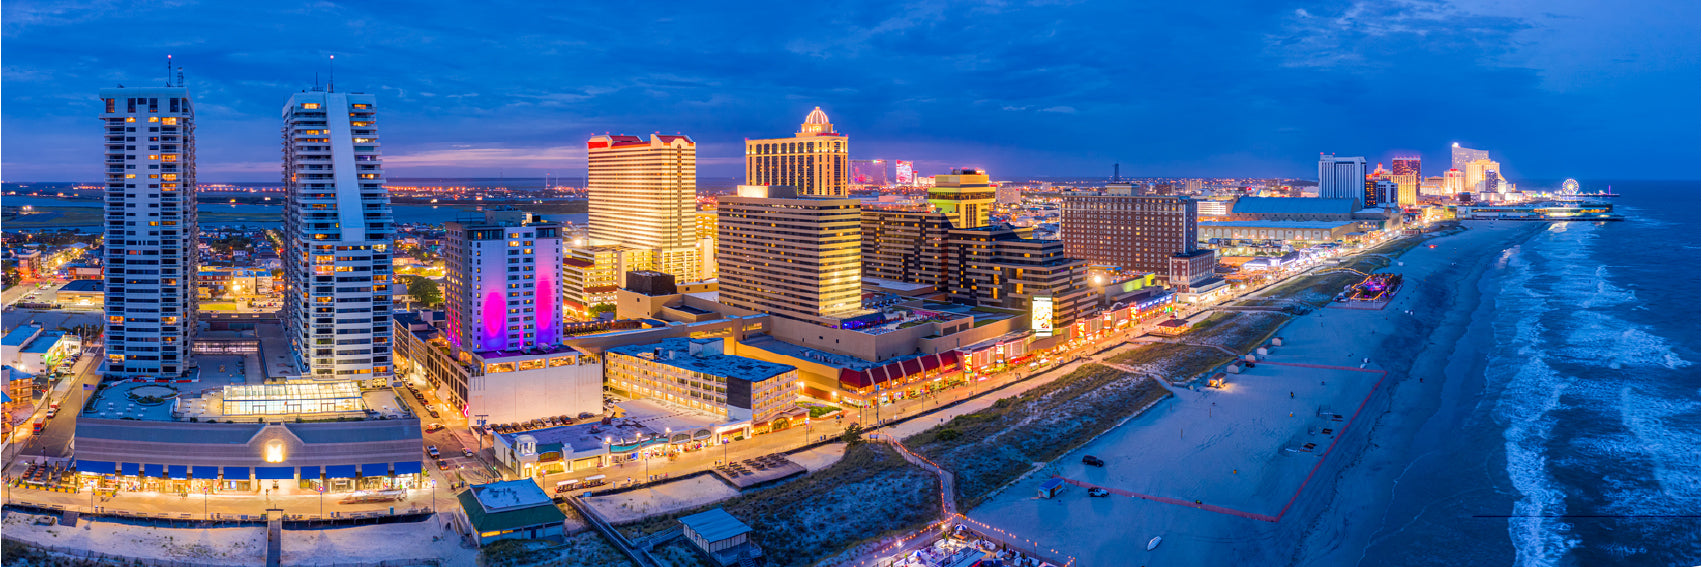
{"points": [[583, 436], [509, 495], [676, 352]]}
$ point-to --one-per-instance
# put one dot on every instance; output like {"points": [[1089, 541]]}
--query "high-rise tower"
{"points": [[151, 235], [1342, 178], [1463, 156], [795, 256], [1407, 174], [643, 194], [337, 228], [815, 160], [966, 196], [503, 282]]}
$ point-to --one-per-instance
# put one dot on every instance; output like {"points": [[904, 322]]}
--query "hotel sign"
{"points": [[1040, 316]]}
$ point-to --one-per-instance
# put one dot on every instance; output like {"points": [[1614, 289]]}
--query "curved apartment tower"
{"points": [[337, 229]]}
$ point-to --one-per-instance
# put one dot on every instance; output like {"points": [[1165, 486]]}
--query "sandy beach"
{"points": [[1244, 458]]}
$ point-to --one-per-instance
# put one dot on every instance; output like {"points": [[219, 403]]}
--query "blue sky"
{"points": [[1552, 88]]}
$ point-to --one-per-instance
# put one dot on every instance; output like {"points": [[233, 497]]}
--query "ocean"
{"points": [[1578, 438]]}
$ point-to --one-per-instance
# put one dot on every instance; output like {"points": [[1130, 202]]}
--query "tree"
{"points": [[601, 308], [423, 290], [853, 434]]}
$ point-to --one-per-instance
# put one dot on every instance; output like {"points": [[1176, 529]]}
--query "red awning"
{"points": [[930, 362], [911, 367]]}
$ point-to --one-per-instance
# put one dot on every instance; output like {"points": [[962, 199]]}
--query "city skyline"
{"points": [[1541, 87]]}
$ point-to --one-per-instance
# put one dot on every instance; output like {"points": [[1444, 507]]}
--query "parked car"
{"points": [[442, 465], [465, 452], [1092, 460], [1098, 492], [432, 450], [434, 428]]}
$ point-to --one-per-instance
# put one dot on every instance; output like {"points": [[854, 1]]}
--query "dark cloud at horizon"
{"points": [[1552, 89]]}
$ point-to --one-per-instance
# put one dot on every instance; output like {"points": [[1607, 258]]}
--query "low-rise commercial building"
{"points": [[722, 537], [85, 292], [513, 509], [695, 374]]}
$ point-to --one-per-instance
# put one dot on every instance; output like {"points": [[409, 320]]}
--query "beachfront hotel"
{"points": [[1342, 178], [643, 194], [791, 255], [151, 236], [337, 229], [815, 160], [1133, 232], [695, 374]]}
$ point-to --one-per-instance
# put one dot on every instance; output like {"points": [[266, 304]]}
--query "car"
{"points": [[1097, 492], [432, 450], [432, 412], [443, 465], [1092, 460], [465, 452], [434, 428], [52, 412]]}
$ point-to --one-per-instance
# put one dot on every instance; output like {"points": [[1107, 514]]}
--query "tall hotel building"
{"points": [[815, 160], [503, 282], [337, 228], [1463, 156], [795, 256], [1342, 178], [1133, 232], [643, 194], [1406, 178], [151, 236]]}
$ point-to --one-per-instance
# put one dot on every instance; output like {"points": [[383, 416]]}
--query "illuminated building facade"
{"points": [[1342, 178], [1454, 182], [503, 282], [643, 194], [694, 374], [1407, 175], [966, 197], [151, 235], [816, 160], [795, 256], [1463, 156], [337, 229], [1133, 232]]}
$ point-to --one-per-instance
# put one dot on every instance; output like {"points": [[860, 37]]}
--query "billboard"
{"points": [[906, 174], [868, 173], [1040, 316]]}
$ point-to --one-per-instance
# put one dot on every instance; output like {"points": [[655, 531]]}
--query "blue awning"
{"points": [[204, 473], [153, 471], [236, 473], [310, 473], [178, 472], [129, 469], [375, 469], [340, 471], [407, 467], [274, 473], [96, 467]]}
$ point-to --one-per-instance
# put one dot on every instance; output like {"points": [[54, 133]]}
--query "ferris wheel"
{"points": [[1569, 187]]}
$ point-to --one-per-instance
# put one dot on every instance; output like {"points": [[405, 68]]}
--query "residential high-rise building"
{"points": [[337, 229], [966, 197], [1342, 178], [1133, 232], [643, 194], [795, 256], [591, 274], [707, 231], [815, 160], [151, 234], [502, 285], [1463, 156]]}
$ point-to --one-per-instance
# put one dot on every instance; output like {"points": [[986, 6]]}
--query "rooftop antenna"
{"points": [[331, 82], [180, 76], [168, 70]]}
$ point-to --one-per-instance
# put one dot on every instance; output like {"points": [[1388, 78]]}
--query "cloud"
{"points": [[1060, 109]]}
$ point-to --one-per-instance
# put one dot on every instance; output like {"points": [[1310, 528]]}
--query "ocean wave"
{"points": [[1530, 394]]}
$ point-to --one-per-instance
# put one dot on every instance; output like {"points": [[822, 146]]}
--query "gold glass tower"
{"points": [[965, 196], [643, 194]]}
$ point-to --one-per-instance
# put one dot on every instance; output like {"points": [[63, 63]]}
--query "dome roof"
{"points": [[816, 117]]}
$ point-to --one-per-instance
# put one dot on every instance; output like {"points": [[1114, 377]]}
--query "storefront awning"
{"points": [[204, 473], [178, 472], [153, 471], [274, 473], [407, 467], [310, 473], [340, 471], [375, 469], [96, 467], [129, 469], [896, 371], [236, 473]]}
